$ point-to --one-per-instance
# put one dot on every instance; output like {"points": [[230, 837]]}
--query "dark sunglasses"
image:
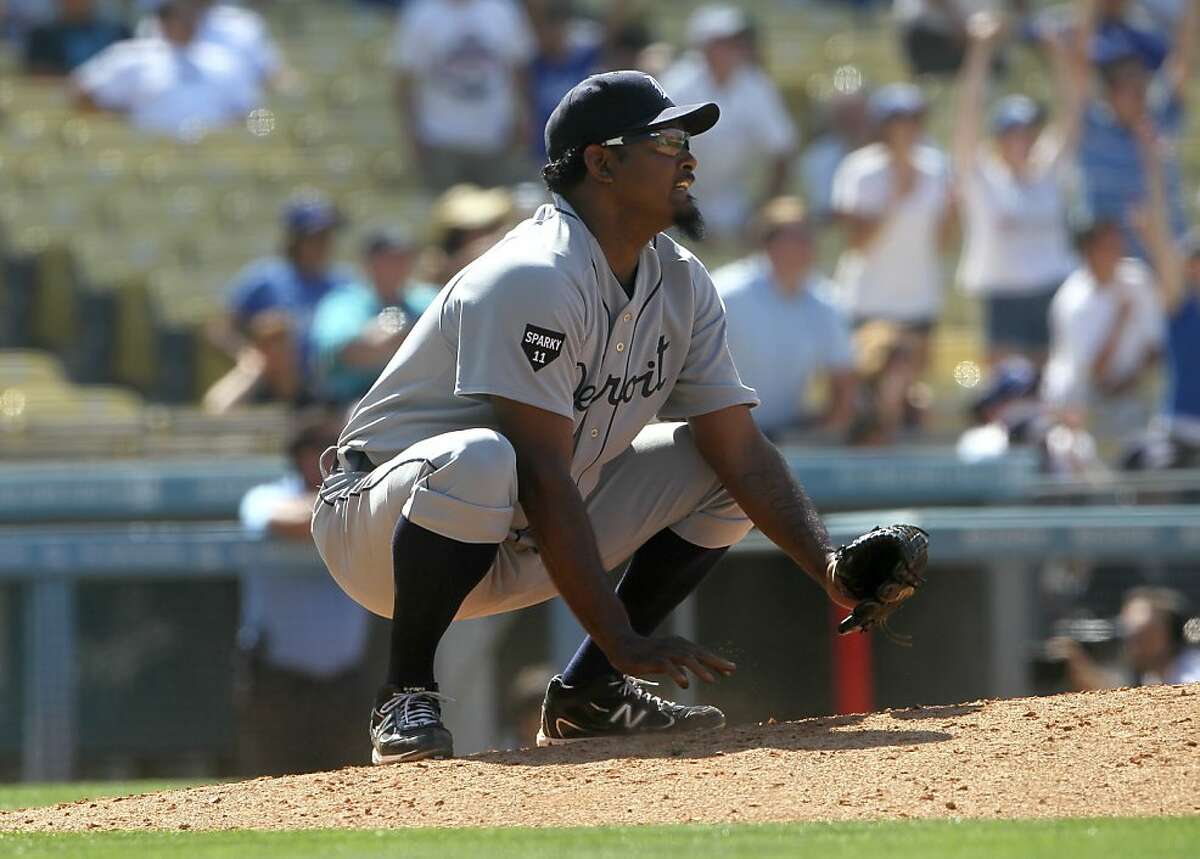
{"points": [[668, 141]]}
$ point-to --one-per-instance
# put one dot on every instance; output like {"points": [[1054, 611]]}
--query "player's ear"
{"points": [[598, 161]]}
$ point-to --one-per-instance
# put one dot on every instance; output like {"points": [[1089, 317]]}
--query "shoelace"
{"points": [[635, 687], [419, 708]]}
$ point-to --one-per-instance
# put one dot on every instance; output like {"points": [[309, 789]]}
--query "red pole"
{"points": [[853, 687]]}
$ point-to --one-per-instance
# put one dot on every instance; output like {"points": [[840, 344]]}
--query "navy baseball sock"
{"points": [[433, 575], [661, 574]]}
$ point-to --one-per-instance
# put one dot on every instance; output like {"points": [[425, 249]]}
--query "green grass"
{"points": [[1152, 838], [34, 795]]}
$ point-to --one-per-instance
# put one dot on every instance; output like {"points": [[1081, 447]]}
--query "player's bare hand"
{"points": [[672, 656]]}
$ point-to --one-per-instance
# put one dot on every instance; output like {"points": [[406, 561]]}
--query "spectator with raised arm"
{"points": [[1174, 437], [893, 199], [1109, 157], [783, 329], [756, 134], [1017, 250], [460, 72]]}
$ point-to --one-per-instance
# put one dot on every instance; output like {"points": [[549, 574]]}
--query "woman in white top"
{"points": [[1017, 249], [893, 200]]}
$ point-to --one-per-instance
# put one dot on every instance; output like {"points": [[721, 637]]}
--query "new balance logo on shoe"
{"points": [[616, 707], [625, 714]]}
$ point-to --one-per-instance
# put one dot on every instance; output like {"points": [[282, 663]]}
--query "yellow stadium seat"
{"points": [[20, 367]]}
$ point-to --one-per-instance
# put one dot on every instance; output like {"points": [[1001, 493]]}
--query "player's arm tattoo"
{"points": [[782, 510], [755, 473]]}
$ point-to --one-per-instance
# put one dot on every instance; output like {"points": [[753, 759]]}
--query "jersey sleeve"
{"points": [[708, 380], [519, 336], [109, 77]]}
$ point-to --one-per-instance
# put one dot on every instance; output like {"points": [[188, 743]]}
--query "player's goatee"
{"points": [[690, 222]]}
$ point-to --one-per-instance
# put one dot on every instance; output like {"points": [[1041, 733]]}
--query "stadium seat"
{"points": [[19, 367]]}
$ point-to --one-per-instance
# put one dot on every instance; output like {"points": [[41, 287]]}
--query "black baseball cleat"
{"points": [[406, 725], [616, 707]]}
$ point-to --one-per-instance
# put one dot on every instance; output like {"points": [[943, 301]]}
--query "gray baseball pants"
{"points": [[463, 485]]}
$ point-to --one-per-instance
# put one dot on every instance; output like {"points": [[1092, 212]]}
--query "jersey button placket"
{"points": [[620, 347], [595, 433]]}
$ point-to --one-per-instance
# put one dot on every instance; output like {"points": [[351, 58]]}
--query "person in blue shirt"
{"points": [[359, 326], [303, 644], [1114, 178], [77, 35], [567, 52], [782, 328], [293, 282], [1174, 437]]}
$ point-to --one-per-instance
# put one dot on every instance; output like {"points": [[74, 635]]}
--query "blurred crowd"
{"points": [[1065, 220]]}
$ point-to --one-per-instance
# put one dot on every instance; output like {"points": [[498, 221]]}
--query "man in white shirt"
{"points": [[460, 66], [1106, 325], [782, 329], [176, 85], [755, 127], [242, 30]]}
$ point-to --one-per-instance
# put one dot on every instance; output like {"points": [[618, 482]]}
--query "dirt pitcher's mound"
{"points": [[1125, 752]]}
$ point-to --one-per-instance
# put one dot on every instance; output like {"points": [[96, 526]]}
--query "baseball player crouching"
{"points": [[508, 453]]}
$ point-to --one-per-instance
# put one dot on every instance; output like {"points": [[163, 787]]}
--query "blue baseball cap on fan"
{"points": [[612, 104], [1015, 111], [310, 213], [896, 100]]}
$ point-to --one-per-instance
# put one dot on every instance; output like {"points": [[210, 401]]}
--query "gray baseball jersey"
{"points": [[541, 319]]}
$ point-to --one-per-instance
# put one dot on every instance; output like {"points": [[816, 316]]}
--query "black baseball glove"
{"points": [[880, 570]]}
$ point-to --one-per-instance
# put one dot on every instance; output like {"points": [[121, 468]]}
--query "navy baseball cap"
{"points": [[1015, 111], [615, 103], [308, 214]]}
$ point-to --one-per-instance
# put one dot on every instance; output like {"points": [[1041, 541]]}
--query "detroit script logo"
{"points": [[616, 390]]}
